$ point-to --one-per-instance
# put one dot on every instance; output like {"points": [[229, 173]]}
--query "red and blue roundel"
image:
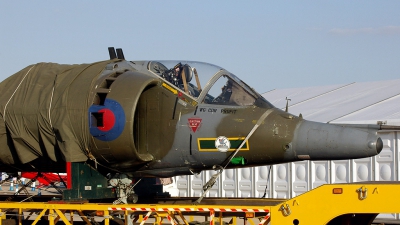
{"points": [[106, 121]]}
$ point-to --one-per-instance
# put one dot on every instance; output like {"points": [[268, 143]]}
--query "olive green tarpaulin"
{"points": [[44, 112]]}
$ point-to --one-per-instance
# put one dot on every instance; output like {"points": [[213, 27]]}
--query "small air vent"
{"points": [[97, 119], [107, 83], [99, 99]]}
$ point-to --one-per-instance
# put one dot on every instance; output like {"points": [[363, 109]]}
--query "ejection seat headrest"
{"points": [[188, 72]]}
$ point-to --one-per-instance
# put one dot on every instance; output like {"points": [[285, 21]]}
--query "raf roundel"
{"points": [[106, 121]]}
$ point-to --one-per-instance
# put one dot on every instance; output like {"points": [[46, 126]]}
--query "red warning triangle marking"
{"points": [[194, 123]]}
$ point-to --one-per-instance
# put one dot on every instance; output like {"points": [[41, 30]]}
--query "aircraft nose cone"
{"points": [[377, 145], [319, 141]]}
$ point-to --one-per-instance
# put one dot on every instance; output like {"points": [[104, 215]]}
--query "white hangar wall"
{"points": [[356, 103]]}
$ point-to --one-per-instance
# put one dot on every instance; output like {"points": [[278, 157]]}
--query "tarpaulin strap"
{"points": [[214, 178], [5, 107], [51, 102], [260, 120]]}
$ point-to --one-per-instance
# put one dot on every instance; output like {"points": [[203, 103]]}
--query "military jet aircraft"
{"points": [[157, 119]]}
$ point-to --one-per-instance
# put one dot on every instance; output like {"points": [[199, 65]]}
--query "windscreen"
{"points": [[194, 78]]}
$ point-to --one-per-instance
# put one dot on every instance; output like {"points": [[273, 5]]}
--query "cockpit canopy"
{"points": [[207, 83]]}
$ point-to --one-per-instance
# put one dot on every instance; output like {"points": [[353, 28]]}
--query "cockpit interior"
{"points": [[220, 86]]}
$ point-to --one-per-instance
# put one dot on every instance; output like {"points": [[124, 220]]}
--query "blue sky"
{"points": [[268, 44]]}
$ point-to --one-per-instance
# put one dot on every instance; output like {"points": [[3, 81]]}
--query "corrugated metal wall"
{"points": [[291, 179]]}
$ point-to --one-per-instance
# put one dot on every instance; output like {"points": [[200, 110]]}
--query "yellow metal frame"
{"points": [[321, 205], [56, 211], [318, 206]]}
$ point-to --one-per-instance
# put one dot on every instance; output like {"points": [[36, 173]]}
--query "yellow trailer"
{"points": [[356, 203]]}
